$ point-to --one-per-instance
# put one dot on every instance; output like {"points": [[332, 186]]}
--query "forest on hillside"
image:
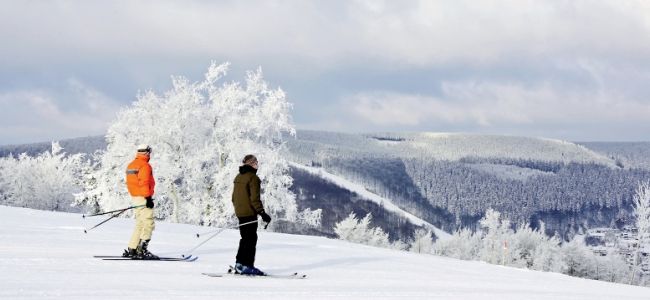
{"points": [[450, 194]]}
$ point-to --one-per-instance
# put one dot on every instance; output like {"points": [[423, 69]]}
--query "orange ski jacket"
{"points": [[139, 177]]}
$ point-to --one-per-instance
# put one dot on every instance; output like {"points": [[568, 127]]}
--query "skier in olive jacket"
{"points": [[246, 199]]}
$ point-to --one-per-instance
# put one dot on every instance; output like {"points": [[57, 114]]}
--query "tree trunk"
{"points": [[174, 198]]}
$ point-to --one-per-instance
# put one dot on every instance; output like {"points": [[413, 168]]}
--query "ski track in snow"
{"points": [[363, 192], [44, 256]]}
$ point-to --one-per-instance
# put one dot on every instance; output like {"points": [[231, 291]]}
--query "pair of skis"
{"points": [[188, 258], [231, 272]]}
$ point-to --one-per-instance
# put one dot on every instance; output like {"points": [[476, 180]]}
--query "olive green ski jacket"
{"points": [[246, 193]]}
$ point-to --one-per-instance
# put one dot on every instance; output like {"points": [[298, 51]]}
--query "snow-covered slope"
{"points": [[363, 192], [46, 255]]}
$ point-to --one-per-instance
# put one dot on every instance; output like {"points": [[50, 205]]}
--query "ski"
{"points": [[184, 259], [160, 259]]}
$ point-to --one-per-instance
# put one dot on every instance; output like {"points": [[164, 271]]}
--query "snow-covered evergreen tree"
{"points": [[199, 132]]}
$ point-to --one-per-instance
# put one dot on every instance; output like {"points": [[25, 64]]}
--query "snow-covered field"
{"points": [[46, 255]]}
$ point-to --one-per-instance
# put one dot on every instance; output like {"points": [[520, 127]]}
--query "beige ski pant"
{"points": [[144, 224]]}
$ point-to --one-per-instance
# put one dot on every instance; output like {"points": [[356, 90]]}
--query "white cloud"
{"points": [[42, 115], [502, 63], [489, 104], [421, 33]]}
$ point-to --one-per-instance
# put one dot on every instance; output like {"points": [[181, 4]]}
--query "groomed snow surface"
{"points": [[46, 255]]}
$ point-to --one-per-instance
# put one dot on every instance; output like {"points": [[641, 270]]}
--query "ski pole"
{"points": [[218, 231], [112, 211], [102, 222]]}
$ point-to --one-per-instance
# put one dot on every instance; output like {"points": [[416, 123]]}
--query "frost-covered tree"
{"points": [[348, 228], [463, 244], [641, 203], [47, 181], [534, 250], [496, 243], [359, 231], [613, 268], [496, 238], [199, 132], [547, 255], [578, 259], [422, 241], [529, 248]]}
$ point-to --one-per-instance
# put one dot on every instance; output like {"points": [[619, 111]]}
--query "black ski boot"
{"points": [[130, 252], [143, 253]]}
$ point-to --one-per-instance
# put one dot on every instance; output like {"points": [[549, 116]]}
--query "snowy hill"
{"points": [[47, 255], [314, 145], [72, 146], [450, 179]]}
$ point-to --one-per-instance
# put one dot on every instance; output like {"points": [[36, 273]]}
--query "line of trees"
{"points": [[46, 181], [497, 241]]}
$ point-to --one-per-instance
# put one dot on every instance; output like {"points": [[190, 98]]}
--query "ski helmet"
{"points": [[144, 148]]}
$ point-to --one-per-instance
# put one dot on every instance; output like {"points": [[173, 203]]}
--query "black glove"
{"points": [[149, 202], [265, 217]]}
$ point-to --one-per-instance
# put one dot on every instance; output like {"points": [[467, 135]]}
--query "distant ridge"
{"points": [[88, 144], [445, 146], [450, 179], [449, 146]]}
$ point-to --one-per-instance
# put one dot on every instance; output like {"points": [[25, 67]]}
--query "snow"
{"points": [[364, 193], [46, 255]]}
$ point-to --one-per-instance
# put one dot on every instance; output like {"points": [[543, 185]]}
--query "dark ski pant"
{"points": [[248, 242]]}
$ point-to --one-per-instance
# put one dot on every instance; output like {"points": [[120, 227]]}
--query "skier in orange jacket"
{"points": [[140, 183]]}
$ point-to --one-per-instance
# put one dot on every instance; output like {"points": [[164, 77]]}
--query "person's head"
{"points": [[144, 149], [250, 160]]}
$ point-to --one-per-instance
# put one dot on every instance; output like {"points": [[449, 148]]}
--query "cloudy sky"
{"points": [[573, 70]]}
